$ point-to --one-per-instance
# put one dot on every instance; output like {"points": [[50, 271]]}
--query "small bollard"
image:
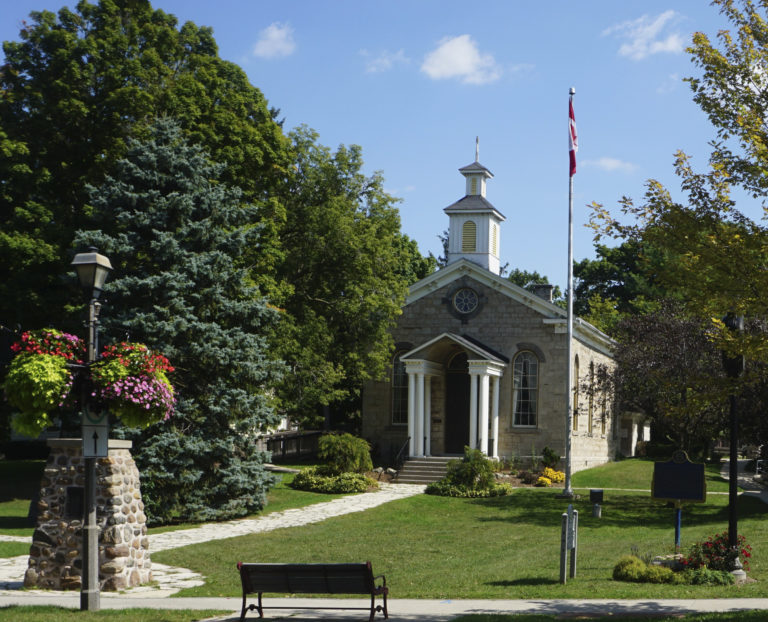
{"points": [[596, 497]]}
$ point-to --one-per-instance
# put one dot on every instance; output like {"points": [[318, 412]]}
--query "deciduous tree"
{"points": [[348, 267]]}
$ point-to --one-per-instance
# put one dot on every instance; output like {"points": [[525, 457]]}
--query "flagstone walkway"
{"points": [[169, 580]]}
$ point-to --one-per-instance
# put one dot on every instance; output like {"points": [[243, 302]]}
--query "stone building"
{"points": [[482, 362]]}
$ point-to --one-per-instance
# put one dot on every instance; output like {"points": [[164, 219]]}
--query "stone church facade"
{"points": [[481, 362]]}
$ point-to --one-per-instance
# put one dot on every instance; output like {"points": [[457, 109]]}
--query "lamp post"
{"points": [[733, 366], [92, 270]]}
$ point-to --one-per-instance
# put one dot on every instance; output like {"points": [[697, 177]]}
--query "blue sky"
{"points": [[413, 83]]}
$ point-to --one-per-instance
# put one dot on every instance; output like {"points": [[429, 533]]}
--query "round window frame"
{"points": [[469, 295]]}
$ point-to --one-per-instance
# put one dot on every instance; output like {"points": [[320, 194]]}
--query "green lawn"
{"points": [[636, 473], [60, 614], [508, 547], [19, 479]]}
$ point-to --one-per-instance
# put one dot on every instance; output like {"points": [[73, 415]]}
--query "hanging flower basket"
{"points": [[129, 380], [39, 379]]}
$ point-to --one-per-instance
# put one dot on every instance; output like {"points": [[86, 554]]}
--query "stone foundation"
{"points": [[55, 557]]}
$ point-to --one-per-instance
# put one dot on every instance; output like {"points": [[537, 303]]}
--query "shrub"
{"points": [[527, 477], [474, 471], [550, 458], [629, 568], [716, 554], [444, 489], [553, 475], [473, 476], [315, 479], [705, 576], [658, 574], [344, 453], [543, 482]]}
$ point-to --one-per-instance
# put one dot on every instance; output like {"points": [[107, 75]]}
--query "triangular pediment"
{"points": [[439, 347], [550, 313]]}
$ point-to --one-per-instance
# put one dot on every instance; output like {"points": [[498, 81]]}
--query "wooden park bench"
{"points": [[311, 579]]}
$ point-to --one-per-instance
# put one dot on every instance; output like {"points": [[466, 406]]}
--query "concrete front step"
{"points": [[423, 470]]}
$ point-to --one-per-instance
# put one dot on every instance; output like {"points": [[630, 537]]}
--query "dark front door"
{"points": [[457, 405]]}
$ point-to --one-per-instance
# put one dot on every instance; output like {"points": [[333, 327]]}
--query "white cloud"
{"points": [[644, 36], [459, 57], [670, 84], [609, 165], [275, 40], [384, 61]]}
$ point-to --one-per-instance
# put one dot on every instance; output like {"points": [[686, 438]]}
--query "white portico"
{"points": [[449, 356]]}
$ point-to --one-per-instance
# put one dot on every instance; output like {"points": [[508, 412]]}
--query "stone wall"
{"points": [[55, 557], [508, 327]]}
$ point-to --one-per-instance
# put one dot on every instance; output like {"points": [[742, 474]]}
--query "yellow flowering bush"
{"points": [[554, 476], [543, 482]]}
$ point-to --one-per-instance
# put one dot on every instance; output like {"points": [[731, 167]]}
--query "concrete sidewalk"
{"points": [[405, 609]]}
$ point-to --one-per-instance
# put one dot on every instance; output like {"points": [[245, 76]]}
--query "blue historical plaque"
{"points": [[679, 480]]}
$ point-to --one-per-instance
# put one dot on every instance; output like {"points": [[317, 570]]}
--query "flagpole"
{"points": [[568, 490]]}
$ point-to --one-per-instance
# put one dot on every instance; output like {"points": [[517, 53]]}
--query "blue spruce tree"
{"points": [[177, 238]]}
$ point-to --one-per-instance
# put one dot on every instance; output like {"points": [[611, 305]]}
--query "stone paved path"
{"points": [[170, 580]]}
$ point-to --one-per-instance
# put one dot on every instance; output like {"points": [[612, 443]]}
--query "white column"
{"points": [[419, 416], [428, 416], [411, 413], [483, 405], [473, 411], [495, 417]]}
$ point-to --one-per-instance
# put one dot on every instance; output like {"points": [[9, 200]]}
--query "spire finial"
{"points": [[477, 149]]}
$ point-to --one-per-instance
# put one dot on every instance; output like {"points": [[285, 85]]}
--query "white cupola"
{"points": [[473, 223]]}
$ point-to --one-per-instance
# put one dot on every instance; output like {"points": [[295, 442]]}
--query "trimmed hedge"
{"points": [[318, 479], [445, 489]]}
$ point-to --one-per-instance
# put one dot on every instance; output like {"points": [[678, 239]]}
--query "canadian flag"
{"points": [[573, 139]]}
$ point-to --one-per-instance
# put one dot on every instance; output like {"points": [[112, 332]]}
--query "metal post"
{"points": [[733, 498], [563, 547], [678, 522], [89, 591], [575, 547], [568, 490], [733, 366]]}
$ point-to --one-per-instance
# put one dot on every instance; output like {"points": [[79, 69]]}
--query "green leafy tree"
{"points": [[72, 90], [731, 90], [668, 368], [348, 268], [176, 234]]}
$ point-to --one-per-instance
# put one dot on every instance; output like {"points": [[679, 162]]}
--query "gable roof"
{"points": [[551, 314], [470, 345]]}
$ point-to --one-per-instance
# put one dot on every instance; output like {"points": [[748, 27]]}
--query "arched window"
{"points": [[604, 414], [576, 393], [399, 390], [525, 389], [469, 237]]}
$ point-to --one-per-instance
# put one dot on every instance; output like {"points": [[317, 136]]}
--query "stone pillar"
{"points": [[55, 557]]}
